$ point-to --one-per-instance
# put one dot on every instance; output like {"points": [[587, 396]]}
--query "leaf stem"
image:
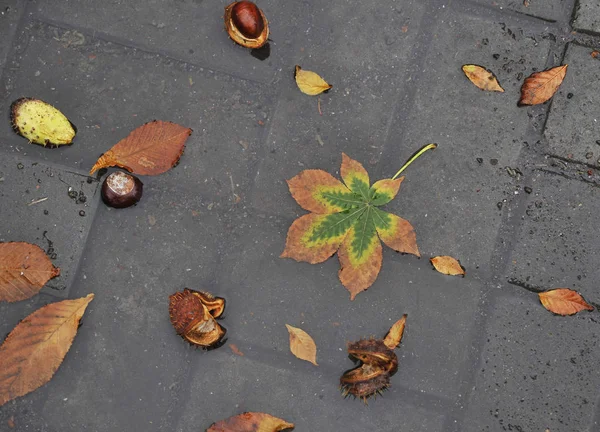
{"points": [[414, 157]]}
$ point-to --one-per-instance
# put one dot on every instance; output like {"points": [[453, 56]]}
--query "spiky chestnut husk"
{"points": [[372, 376], [121, 190], [246, 24], [192, 318], [41, 123]]}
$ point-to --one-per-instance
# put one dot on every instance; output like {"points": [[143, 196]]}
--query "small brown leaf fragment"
{"points": [[310, 83], [302, 345], [541, 86], [251, 422], [482, 77], [24, 270], [150, 149], [34, 350], [394, 336], [11, 422], [564, 301], [595, 54], [236, 350], [448, 265]]}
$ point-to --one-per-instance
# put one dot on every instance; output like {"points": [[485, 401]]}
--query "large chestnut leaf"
{"points": [[346, 219], [150, 149], [37, 346], [251, 422], [24, 270]]}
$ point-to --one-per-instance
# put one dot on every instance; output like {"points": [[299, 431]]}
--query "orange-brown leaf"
{"points": [[564, 301], [37, 346], [482, 77], [24, 270], [447, 265], [302, 345], [236, 350], [394, 336], [150, 149], [251, 422], [541, 86]]}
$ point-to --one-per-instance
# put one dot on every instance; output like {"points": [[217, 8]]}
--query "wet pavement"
{"points": [[512, 192]]}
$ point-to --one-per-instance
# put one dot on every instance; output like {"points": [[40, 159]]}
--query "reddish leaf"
{"points": [[564, 301], [24, 270], [541, 86], [251, 422], [150, 149]]}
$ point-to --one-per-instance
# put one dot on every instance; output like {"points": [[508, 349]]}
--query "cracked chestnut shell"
{"points": [[121, 190], [193, 315], [246, 24]]}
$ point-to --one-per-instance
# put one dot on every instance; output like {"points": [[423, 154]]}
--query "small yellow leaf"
{"points": [[447, 265], [302, 345], [310, 83], [564, 301], [482, 78], [394, 336]]}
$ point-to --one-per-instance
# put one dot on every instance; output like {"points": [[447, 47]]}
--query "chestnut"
{"points": [[246, 24], [121, 190]]}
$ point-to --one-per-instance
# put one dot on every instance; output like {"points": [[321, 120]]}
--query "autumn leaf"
{"points": [[302, 345], [24, 270], [541, 86], [33, 351], [251, 422], [447, 265], [346, 219], [394, 336], [564, 301], [482, 77], [150, 149], [310, 83]]}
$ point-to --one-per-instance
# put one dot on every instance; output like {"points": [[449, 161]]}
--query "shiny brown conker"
{"points": [[121, 190], [246, 24]]}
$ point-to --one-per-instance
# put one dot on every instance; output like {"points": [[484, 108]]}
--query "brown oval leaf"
{"points": [[394, 336], [151, 149], [36, 347], [24, 270], [251, 422], [564, 301], [482, 77], [302, 345], [541, 86], [447, 265]]}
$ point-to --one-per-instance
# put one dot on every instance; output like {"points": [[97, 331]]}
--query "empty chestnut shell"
{"points": [[121, 190], [193, 315], [246, 24]]}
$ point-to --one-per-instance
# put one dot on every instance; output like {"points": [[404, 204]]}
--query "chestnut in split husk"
{"points": [[194, 313], [246, 24], [121, 190]]}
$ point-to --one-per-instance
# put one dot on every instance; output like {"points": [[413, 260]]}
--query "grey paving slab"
{"points": [[587, 16], [108, 90], [553, 10], [37, 208], [311, 297], [451, 195], [556, 247], [572, 129], [10, 14], [187, 30], [537, 370], [366, 73]]}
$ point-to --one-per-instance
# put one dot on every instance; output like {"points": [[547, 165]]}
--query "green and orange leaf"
{"points": [[346, 219]]}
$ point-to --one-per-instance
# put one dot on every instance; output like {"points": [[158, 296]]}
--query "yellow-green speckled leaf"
{"points": [[41, 123]]}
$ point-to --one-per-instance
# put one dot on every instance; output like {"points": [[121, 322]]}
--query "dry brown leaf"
{"points": [[595, 54], [541, 86], [482, 77], [310, 83], [302, 345], [24, 270], [151, 149], [564, 301], [251, 422], [34, 350], [448, 265], [394, 336]]}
